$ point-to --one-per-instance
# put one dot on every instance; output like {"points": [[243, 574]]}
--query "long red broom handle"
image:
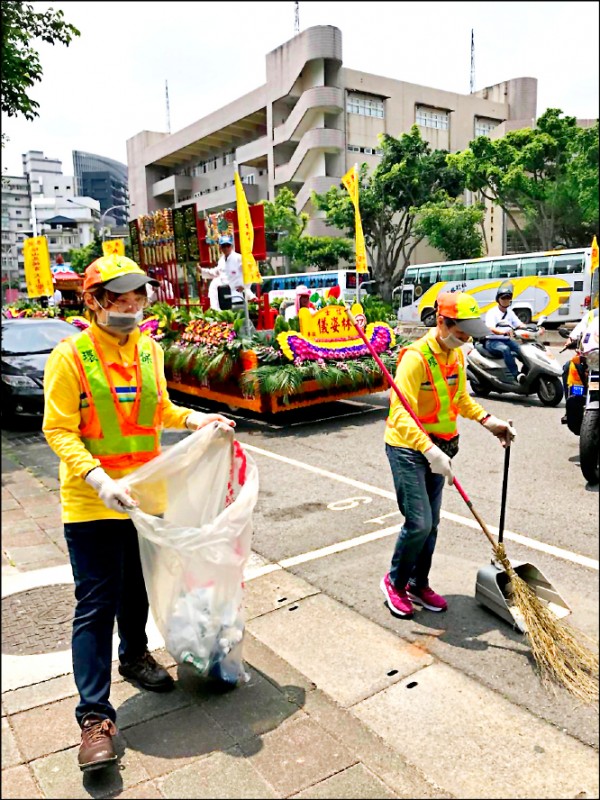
{"points": [[416, 420]]}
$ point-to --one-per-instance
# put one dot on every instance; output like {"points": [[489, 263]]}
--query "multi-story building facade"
{"points": [[306, 126], [43, 202], [105, 180], [16, 224]]}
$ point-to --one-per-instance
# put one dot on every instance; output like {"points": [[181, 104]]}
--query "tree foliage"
{"points": [[82, 256], [452, 228], [21, 68], [282, 219], [544, 178], [409, 175], [323, 252]]}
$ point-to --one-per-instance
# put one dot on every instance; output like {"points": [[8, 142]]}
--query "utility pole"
{"points": [[472, 83], [168, 112], [296, 17]]}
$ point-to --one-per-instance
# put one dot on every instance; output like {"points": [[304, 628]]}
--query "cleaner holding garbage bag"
{"points": [[106, 403]]}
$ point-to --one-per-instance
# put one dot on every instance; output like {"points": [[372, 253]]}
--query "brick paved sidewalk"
{"points": [[276, 736]]}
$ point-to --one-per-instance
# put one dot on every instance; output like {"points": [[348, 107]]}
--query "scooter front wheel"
{"points": [[480, 389], [550, 391], [588, 446]]}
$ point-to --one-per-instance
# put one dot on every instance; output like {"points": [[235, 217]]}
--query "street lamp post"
{"points": [[112, 208]]}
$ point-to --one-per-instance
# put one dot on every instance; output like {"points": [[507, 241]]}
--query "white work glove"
{"points": [[197, 420], [115, 497], [501, 429], [440, 463]]}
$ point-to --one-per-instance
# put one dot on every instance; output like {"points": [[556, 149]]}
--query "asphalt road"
{"points": [[325, 481]]}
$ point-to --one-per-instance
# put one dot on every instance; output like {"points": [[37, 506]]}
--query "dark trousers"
{"points": [[109, 585], [419, 494]]}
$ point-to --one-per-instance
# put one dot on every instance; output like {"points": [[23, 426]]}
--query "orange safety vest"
{"points": [[119, 439], [445, 381]]}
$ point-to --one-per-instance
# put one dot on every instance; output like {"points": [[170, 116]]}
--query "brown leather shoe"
{"points": [[97, 749], [148, 673]]}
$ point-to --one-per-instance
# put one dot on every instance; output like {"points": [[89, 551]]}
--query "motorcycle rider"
{"points": [[503, 322], [574, 336]]}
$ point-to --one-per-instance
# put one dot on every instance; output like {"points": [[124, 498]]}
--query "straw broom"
{"points": [[560, 654]]}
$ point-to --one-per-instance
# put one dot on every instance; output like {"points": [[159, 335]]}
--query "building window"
{"points": [[249, 179], [483, 126], [369, 151], [19, 224], [365, 105], [18, 211], [53, 240], [432, 118]]}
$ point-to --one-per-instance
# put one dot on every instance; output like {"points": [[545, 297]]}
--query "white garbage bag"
{"points": [[194, 522]]}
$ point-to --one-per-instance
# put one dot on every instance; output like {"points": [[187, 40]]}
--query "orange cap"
{"points": [[119, 274], [464, 310]]}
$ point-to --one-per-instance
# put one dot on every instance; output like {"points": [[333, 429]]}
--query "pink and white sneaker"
{"points": [[427, 598], [396, 600]]}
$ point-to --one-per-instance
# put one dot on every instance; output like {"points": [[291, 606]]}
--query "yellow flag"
{"points": [[250, 272], [594, 262], [350, 181], [113, 247], [37, 267]]}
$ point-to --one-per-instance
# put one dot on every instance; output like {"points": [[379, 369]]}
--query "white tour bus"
{"points": [[284, 286], [555, 284]]}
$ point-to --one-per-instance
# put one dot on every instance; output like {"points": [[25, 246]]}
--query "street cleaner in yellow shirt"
{"points": [[106, 403], [431, 376]]}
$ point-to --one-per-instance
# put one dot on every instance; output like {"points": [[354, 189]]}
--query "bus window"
{"points": [[563, 265], [507, 268], [331, 281], [534, 266], [427, 277], [478, 271], [454, 273], [410, 276]]}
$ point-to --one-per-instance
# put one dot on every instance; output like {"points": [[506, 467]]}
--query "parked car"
{"points": [[26, 345]]}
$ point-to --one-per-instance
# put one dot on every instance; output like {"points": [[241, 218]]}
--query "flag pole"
{"points": [[356, 211], [247, 327]]}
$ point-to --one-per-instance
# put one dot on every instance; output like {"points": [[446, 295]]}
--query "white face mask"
{"points": [[451, 341], [122, 322]]}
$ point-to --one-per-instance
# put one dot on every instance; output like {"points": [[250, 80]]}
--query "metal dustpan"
{"points": [[492, 584]]}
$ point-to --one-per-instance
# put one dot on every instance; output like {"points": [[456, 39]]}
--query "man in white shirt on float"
{"points": [[227, 272], [503, 322]]}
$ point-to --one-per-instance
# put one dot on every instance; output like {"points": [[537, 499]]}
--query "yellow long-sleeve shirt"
{"points": [[401, 430], [63, 416]]}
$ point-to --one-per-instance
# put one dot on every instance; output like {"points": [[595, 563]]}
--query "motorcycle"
{"points": [[588, 436], [488, 372], [576, 384]]}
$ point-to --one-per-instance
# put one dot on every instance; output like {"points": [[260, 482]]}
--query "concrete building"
{"points": [[43, 202], [305, 127], [16, 225], [105, 180]]}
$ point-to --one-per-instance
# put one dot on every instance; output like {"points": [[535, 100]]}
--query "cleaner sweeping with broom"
{"points": [[431, 376]]}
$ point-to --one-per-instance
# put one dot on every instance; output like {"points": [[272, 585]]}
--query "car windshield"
{"points": [[39, 337]]}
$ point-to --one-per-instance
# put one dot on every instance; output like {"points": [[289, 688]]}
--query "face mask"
{"points": [[451, 341], [123, 323]]}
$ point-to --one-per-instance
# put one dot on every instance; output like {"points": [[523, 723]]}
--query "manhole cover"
{"points": [[38, 620]]}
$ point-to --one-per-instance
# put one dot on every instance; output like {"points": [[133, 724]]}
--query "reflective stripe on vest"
{"points": [[442, 420], [119, 434]]}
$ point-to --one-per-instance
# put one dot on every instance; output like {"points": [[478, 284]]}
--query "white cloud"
{"points": [[110, 83]]}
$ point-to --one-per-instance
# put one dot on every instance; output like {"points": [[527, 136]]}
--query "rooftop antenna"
{"points": [[168, 112], [296, 17], [472, 85]]}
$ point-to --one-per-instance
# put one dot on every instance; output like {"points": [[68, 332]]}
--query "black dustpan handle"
{"points": [[504, 491]]}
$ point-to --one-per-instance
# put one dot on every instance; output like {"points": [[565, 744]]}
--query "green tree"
{"points": [[282, 219], [545, 179], [21, 68], [324, 252], [408, 175], [452, 228], [82, 256]]}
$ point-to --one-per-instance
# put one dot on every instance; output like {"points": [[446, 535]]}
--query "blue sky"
{"points": [[110, 83]]}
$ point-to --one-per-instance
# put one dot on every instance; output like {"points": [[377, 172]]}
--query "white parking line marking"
{"points": [[533, 544]]}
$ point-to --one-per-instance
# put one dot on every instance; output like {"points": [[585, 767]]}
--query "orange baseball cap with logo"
{"points": [[118, 274], [464, 310]]}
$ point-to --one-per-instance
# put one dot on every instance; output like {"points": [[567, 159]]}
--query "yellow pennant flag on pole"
{"points": [[594, 262], [250, 271], [37, 267], [350, 181], [113, 247]]}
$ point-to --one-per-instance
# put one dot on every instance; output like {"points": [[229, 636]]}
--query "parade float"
{"points": [[269, 365]]}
